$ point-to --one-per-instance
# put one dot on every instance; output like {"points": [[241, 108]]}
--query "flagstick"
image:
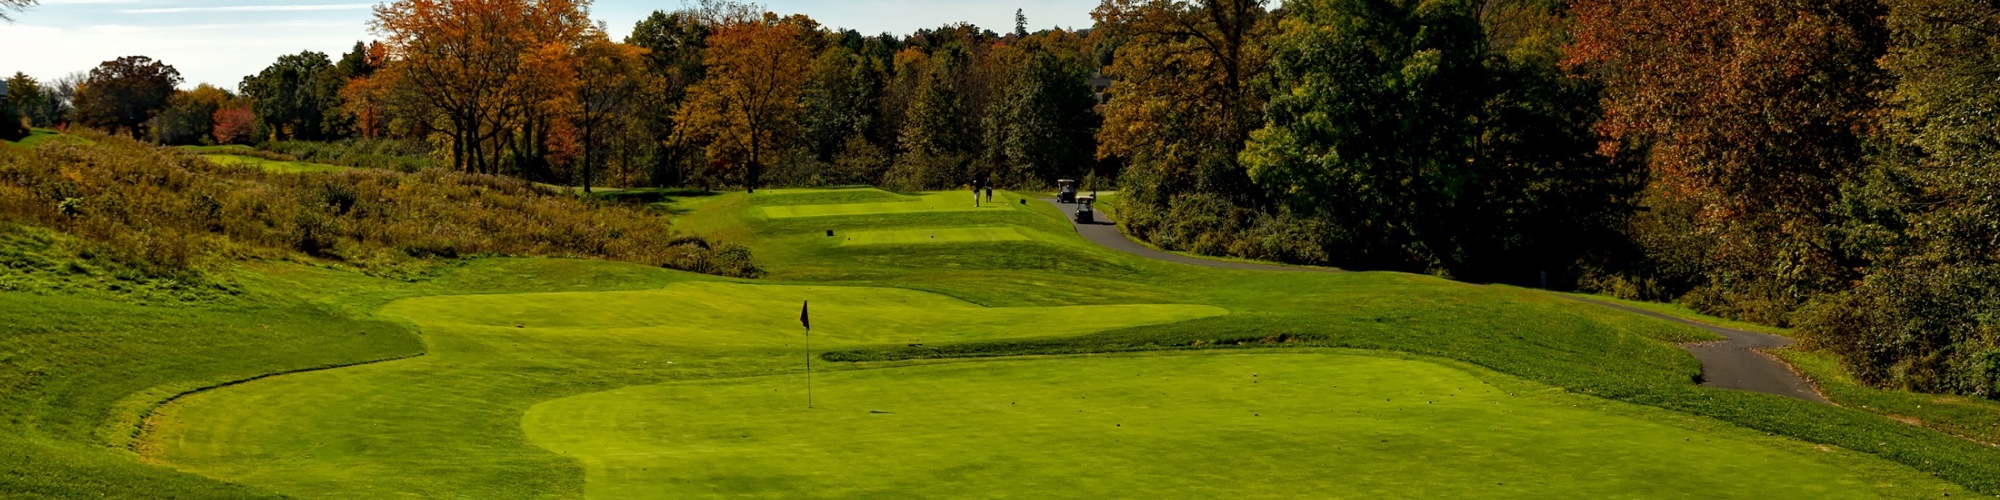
{"points": [[809, 367]]}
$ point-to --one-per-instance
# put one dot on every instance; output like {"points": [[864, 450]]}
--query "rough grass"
{"points": [[1972, 418], [171, 211]]}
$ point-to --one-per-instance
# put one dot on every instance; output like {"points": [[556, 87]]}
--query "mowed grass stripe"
{"points": [[1178, 426], [927, 236], [933, 202]]}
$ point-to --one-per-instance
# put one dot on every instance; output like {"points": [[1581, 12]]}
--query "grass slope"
{"points": [[1186, 426], [240, 156], [501, 336]]}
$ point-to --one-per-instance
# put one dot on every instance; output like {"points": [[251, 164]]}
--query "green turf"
{"points": [[283, 167], [39, 136], [923, 236], [1189, 426], [1972, 418], [493, 356], [501, 336], [934, 202]]}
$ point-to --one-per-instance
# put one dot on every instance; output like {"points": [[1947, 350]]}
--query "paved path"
{"points": [[1106, 233], [1730, 364], [1736, 363]]}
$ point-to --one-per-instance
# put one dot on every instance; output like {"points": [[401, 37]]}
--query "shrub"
{"points": [[402, 155], [169, 211]]}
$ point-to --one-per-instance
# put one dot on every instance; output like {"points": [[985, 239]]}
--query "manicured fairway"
{"points": [[1179, 426], [569, 379], [447, 424], [934, 202], [938, 235]]}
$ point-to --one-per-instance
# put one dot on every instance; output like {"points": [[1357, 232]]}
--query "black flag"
{"points": [[803, 319]]}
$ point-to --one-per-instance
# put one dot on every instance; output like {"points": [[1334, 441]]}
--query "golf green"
{"points": [[932, 235], [1163, 426], [446, 424]]}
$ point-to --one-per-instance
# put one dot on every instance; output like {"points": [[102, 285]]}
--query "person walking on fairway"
{"points": [[975, 193], [989, 189]]}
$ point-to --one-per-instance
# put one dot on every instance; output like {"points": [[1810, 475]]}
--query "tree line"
{"points": [[1824, 164]]}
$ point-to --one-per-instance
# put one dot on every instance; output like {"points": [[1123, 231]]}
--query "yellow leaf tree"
{"points": [[749, 104]]}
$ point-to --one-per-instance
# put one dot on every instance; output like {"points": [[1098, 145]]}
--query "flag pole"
{"points": [[809, 367], [806, 321]]}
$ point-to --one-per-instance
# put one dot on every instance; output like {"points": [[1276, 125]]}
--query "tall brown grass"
{"points": [[172, 212]]}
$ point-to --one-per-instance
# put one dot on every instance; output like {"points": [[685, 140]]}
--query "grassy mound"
{"points": [[168, 210]]}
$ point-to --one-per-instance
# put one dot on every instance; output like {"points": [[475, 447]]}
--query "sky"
{"points": [[221, 41]]}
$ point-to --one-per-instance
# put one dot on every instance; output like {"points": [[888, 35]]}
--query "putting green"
{"points": [[446, 424], [1179, 426], [938, 235], [948, 201]]}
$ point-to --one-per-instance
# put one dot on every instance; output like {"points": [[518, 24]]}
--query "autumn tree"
{"points": [[1750, 115], [1183, 100], [748, 105], [609, 78], [469, 60], [120, 95], [937, 139], [234, 124], [674, 43], [189, 117], [365, 96]]}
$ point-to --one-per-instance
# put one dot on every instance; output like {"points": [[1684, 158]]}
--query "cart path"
{"points": [[1735, 363], [1106, 233]]}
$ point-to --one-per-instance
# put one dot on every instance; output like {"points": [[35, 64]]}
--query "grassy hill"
{"points": [[963, 351]]}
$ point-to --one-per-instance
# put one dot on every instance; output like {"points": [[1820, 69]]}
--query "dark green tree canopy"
{"points": [[123, 93], [297, 96]]}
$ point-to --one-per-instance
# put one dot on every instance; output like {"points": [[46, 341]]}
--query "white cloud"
{"points": [[250, 8]]}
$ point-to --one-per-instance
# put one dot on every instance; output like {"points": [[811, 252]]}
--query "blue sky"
{"points": [[221, 41]]}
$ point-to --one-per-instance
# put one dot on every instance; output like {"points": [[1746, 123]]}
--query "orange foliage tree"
{"points": [[474, 61], [1752, 114], [750, 101]]}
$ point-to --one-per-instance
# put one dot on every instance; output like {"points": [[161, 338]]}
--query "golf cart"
{"points": [[1065, 191], [1084, 213]]}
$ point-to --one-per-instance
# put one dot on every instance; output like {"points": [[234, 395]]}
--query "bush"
{"points": [[402, 155], [169, 211], [1206, 224], [1930, 329]]}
